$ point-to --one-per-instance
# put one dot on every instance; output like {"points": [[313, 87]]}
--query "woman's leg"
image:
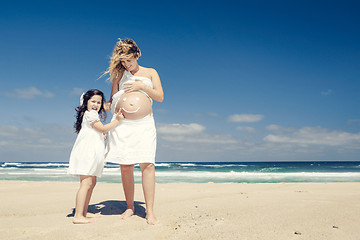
{"points": [[127, 177], [81, 196], [148, 183], [88, 196]]}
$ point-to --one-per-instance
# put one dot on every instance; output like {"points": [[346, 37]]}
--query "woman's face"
{"points": [[130, 64]]}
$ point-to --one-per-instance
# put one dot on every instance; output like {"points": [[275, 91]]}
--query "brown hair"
{"points": [[80, 110], [124, 49]]}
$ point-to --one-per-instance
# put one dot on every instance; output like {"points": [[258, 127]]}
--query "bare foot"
{"points": [[81, 220], [128, 213], [151, 219]]}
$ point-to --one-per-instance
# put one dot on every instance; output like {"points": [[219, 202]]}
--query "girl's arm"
{"points": [[98, 126], [156, 93]]}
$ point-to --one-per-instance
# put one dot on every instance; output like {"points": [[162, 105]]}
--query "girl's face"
{"points": [[94, 103], [130, 64]]}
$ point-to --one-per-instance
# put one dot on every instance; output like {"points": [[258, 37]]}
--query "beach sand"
{"points": [[43, 210]]}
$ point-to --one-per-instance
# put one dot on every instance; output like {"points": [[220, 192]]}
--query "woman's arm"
{"points": [[156, 93], [114, 89]]}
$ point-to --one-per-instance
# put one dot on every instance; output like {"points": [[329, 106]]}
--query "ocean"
{"points": [[197, 172]]}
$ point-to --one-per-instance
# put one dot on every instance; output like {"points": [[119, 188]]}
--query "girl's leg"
{"points": [[148, 184], [88, 196], [85, 185], [127, 177]]}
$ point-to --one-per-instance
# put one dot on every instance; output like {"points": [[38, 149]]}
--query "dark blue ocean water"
{"points": [[198, 172]]}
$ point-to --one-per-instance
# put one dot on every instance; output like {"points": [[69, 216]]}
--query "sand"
{"points": [[43, 210]]}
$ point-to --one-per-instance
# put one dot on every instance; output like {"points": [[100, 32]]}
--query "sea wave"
{"points": [[196, 172], [233, 174], [33, 165], [13, 164], [187, 164], [162, 164]]}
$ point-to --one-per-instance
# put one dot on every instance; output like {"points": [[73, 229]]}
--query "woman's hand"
{"points": [[107, 106], [135, 86]]}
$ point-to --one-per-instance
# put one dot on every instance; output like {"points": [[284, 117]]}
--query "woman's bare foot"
{"points": [[151, 219], [81, 220], [92, 215], [128, 213]]}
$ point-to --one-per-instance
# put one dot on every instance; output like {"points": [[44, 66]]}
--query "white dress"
{"points": [[131, 141], [87, 155]]}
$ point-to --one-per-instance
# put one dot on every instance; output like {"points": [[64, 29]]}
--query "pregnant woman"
{"points": [[134, 140]]}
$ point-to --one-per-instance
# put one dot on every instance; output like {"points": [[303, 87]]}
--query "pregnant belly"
{"points": [[134, 105]]}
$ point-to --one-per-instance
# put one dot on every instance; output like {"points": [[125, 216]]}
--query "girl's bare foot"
{"points": [[151, 219], [81, 220], [128, 213]]}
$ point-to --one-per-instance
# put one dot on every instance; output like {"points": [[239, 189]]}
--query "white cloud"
{"points": [[45, 137], [180, 129], [43, 143], [193, 141], [277, 128], [246, 129], [317, 136], [245, 118], [205, 138], [29, 93], [191, 133]]}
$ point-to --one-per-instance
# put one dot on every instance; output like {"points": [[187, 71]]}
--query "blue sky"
{"points": [[243, 80]]}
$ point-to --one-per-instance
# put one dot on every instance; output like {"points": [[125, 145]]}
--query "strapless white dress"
{"points": [[131, 141]]}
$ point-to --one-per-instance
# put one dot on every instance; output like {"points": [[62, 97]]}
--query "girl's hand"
{"points": [[104, 136], [119, 116], [131, 87]]}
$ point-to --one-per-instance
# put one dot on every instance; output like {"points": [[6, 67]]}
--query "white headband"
{"points": [[82, 99]]}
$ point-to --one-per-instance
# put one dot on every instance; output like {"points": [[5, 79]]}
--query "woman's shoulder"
{"points": [[149, 72]]}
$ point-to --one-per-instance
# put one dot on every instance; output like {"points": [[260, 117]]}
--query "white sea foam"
{"points": [[222, 165], [233, 174], [214, 165], [162, 164], [53, 170], [34, 165], [8, 168], [10, 164], [47, 165], [187, 164], [111, 169]]}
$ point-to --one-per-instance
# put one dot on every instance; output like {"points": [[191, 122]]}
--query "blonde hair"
{"points": [[124, 49]]}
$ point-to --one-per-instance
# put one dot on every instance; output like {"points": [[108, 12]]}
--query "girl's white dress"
{"points": [[87, 155]]}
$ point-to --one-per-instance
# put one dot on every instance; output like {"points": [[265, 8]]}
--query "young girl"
{"points": [[87, 155]]}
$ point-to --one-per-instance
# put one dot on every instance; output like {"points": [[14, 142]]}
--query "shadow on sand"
{"points": [[113, 207]]}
